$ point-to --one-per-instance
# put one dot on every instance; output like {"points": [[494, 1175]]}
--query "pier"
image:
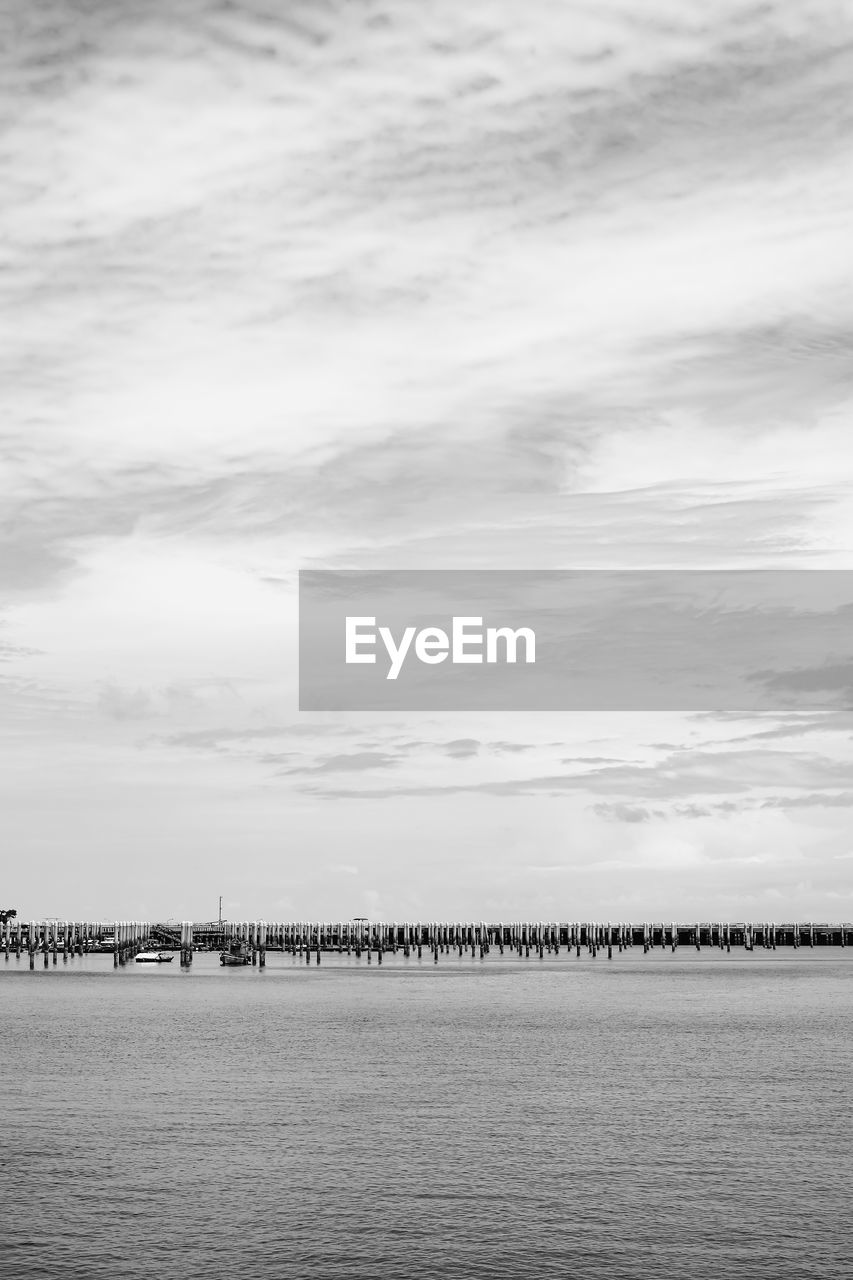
{"points": [[48, 940]]}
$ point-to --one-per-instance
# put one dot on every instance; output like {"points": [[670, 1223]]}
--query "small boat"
{"points": [[154, 957], [236, 953]]}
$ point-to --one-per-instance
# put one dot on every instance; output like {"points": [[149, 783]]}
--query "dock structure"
{"points": [[52, 938], [308, 941]]}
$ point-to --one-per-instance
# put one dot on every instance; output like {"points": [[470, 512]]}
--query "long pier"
{"points": [[50, 939]]}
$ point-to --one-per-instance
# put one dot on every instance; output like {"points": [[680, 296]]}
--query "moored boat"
{"points": [[154, 957], [236, 954]]}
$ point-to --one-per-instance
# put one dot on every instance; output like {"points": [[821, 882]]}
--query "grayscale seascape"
{"points": [[426, 496]]}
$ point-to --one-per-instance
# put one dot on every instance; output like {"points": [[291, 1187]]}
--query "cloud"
{"points": [[462, 748], [444, 235], [351, 286], [819, 800], [622, 812], [123, 704], [10, 652], [355, 762], [225, 738], [835, 677], [684, 775]]}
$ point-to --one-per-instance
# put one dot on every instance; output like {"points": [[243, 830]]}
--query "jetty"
{"points": [[123, 939]]}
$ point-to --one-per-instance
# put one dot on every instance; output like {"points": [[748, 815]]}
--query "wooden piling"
{"points": [[187, 944]]}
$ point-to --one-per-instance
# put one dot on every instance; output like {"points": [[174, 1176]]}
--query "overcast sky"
{"points": [[435, 285]]}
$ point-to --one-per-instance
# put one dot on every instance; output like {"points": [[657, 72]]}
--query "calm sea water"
{"points": [[664, 1115]]}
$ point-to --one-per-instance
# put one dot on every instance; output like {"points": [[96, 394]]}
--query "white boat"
{"points": [[154, 957]]}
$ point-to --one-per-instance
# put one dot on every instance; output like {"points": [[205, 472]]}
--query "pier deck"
{"points": [[125, 939]]}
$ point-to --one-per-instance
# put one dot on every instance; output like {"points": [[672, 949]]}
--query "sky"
{"points": [[419, 286]]}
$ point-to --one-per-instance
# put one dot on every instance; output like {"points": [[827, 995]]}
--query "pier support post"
{"points": [[186, 943]]}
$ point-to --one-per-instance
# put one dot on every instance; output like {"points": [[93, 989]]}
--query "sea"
{"points": [[676, 1115]]}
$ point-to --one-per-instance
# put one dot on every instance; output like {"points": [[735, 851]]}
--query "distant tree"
{"points": [[10, 914]]}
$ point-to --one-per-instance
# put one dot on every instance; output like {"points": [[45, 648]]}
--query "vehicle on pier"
{"points": [[237, 953], [154, 957]]}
